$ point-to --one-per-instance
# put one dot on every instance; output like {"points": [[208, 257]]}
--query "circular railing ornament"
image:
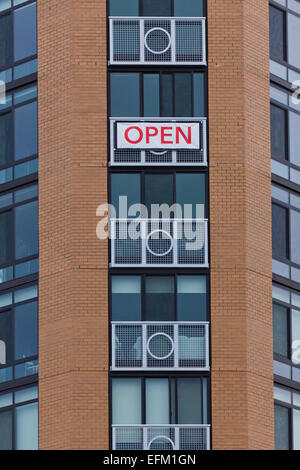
{"points": [[165, 253], [155, 335], [165, 438], [151, 36]]}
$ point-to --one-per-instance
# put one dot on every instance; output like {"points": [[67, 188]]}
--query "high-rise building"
{"points": [[152, 328]]}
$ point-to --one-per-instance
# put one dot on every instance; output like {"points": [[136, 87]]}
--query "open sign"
{"points": [[158, 135]]}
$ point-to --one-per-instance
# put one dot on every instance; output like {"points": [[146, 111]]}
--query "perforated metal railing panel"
{"points": [[159, 242], [157, 40], [161, 437], [160, 345]]}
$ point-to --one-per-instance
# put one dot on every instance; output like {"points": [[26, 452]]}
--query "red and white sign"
{"points": [[158, 135]]}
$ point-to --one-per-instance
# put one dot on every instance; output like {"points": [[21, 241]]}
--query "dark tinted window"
{"points": [[26, 131], [189, 394], [166, 95], [190, 189], [125, 185], [125, 94], [280, 330], [156, 7], [280, 231], [278, 132], [277, 34], [191, 298], [126, 298], [26, 337], [158, 190], [25, 32], [124, 8], [5, 138], [26, 230], [5, 237], [5, 22], [160, 301], [188, 8], [183, 94], [281, 428], [6, 430], [5, 337]]}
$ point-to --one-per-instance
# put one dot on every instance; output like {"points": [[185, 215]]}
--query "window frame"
{"points": [[12, 364], [290, 407], [15, 405], [160, 71], [286, 11], [12, 63], [140, 8], [157, 274], [170, 377]]}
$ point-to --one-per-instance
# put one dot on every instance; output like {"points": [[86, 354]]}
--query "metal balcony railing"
{"points": [[148, 41], [160, 346], [161, 437], [159, 242], [136, 157]]}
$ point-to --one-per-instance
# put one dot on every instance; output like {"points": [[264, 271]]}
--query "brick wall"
{"points": [[240, 225], [73, 308]]}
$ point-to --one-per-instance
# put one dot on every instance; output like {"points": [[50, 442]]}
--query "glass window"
{"points": [[5, 138], [294, 138], [126, 298], [295, 325], [188, 8], [25, 32], [26, 335], [280, 330], [183, 94], [278, 132], [189, 401], [157, 401], [294, 40], [190, 189], [151, 95], [127, 184], [160, 302], [199, 95], [26, 230], [5, 337], [26, 131], [295, 236], [158, 190], [277, 34], [156, 8], [6, 430], [296, 429], [191, 298], [5, 237], [124, 8], [126, 401], [125, 94], [167, 95], [5, 22], [26, 427], [280, 231], [281, 419]]}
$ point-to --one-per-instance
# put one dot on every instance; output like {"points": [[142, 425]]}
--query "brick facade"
{"points": [[240, 225], [73, 308], [73, 292]]}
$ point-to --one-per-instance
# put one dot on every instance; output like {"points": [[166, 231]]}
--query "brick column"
{"points": [[240, 224], [73, 298]]}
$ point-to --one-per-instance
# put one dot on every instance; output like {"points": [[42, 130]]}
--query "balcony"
{"points": [[159, 242], [160, 346], [161, 437], [154, 41], [158, 157]]}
